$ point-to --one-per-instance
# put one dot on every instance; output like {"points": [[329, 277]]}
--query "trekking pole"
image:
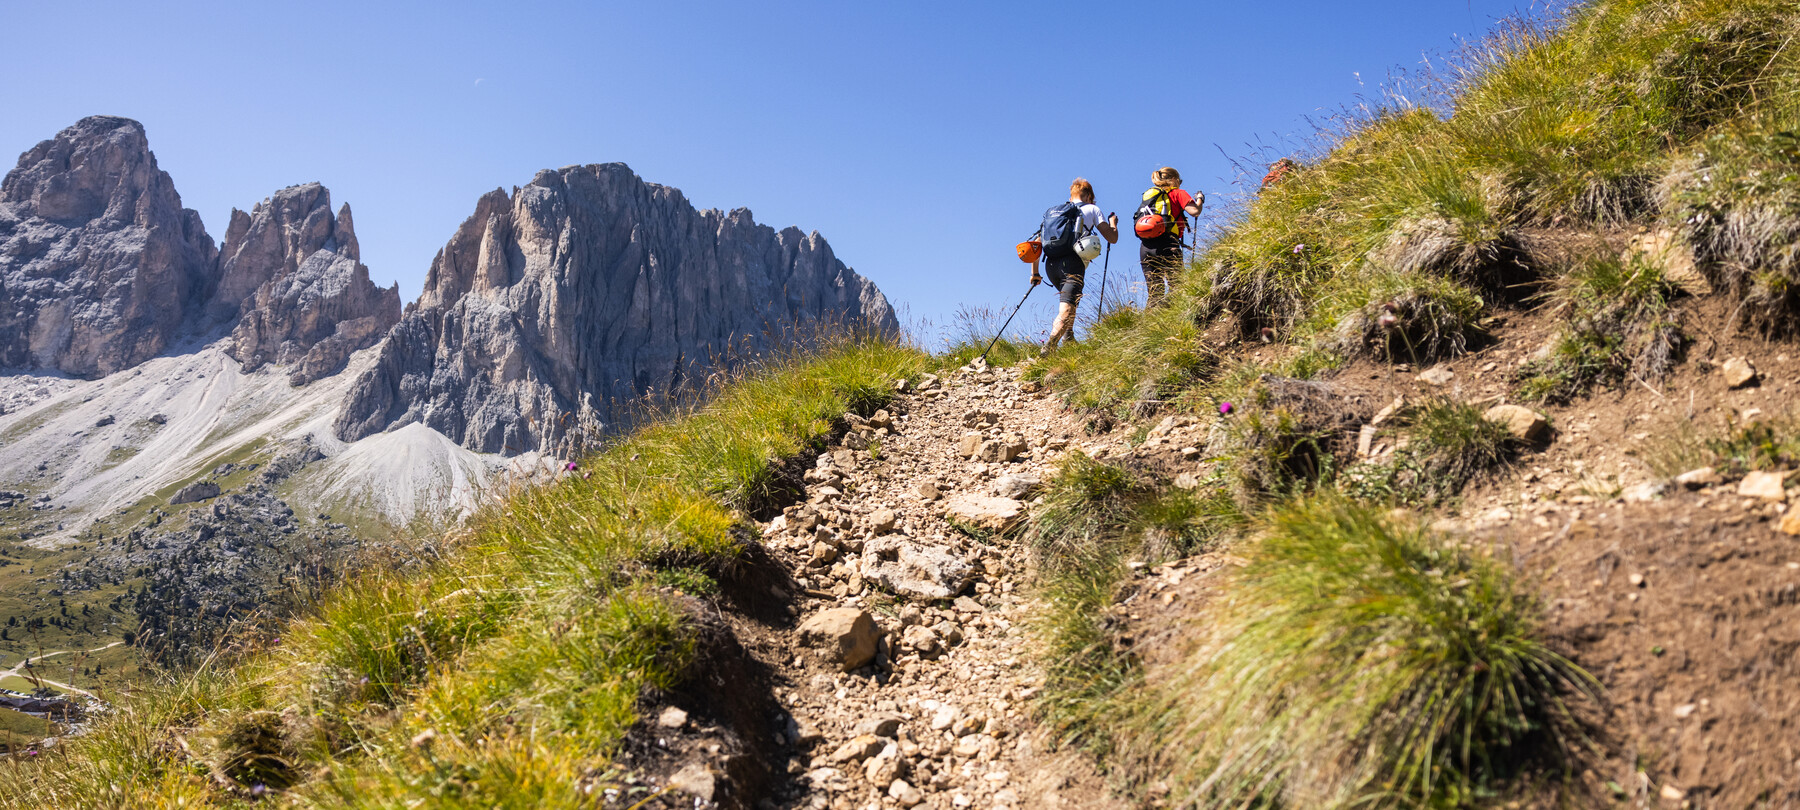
{"points": [[1100, 309], [1015, 312]]}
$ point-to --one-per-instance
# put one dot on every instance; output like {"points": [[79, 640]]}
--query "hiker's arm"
{"points": [[1035, 278], [1109, 228], [1194, 205]]}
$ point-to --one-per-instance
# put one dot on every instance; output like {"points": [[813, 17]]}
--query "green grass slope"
{"points": [[1358, 658], [505, 672]]}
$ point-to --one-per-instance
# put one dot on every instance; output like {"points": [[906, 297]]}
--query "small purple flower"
{"points": [[570, 467], [259, 789], [1225, 408], [1300, 248]]}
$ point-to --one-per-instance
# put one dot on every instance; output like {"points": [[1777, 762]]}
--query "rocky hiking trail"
{"points": [[902, 671], [887, 547]]}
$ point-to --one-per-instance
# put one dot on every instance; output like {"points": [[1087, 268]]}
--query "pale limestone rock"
{"points": [[905, 794], [1766, 486], [672, 717], [885, 725], [1389, 411], [1167, 426], [1738, 372], [1521, 422], [1437, 375], [984, 512], [920, 639], [842, 637], [882, 769], [914, 569], [858, 748], [1698, 478], [1012, 445], [882, 521], [1018, 486], [290, 272], [1642, 492], [696, 780], [1661, 249]]}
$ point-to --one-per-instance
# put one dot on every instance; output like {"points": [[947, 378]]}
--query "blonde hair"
{"points": [[1166, 177], [1081, 189]]}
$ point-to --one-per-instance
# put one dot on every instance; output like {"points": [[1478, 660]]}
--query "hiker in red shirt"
{"points": [[1277, 172], [1161, 221]]}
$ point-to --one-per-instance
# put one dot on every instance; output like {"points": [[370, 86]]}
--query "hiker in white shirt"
{"points": [[1067, 271]]}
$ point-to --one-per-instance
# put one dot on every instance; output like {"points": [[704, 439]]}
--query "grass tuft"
{"points": [[1094, 520], [1737, 202], [1622, 326], [1134, 362], [1417, 318], [1361, 661], [1441, 447], [1769, 443]]}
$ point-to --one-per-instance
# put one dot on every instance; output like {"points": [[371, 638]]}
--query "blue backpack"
{"points": [[1062, 226]]}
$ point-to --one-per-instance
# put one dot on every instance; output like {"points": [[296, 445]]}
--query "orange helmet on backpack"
{"points": [[1030, 250], [1150, 226]]}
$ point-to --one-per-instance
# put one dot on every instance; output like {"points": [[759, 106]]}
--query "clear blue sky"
{"points": [[922, 139]]}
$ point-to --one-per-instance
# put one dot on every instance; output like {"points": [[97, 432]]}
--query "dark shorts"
{"points": [[1162, 250], [1066, 274]]}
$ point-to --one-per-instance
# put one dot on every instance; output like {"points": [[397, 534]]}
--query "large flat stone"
{"points": [[984, 512], [915, 570]]}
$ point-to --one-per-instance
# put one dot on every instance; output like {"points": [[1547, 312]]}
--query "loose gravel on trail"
{"points": [[915, 521]]}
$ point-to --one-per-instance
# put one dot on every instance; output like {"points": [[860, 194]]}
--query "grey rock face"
{"points": [[290, 272], [591, 281], [100, 266], [195, 492]]}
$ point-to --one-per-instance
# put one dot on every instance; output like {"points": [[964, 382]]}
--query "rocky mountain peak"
{"points": [[586, 288], [100, 266], [289, 271], [274, 238]]}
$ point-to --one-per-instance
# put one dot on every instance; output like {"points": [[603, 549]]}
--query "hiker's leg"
{"points": [[1053, 272], [1165, 262], [1151, 260], [1065, 323], [1172, 265], [1069, 281], [1069, 294], [1064, 319]]}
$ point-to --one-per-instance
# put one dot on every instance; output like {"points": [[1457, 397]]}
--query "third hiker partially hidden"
{"points": [[1069, 244], [1160, 222]]}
